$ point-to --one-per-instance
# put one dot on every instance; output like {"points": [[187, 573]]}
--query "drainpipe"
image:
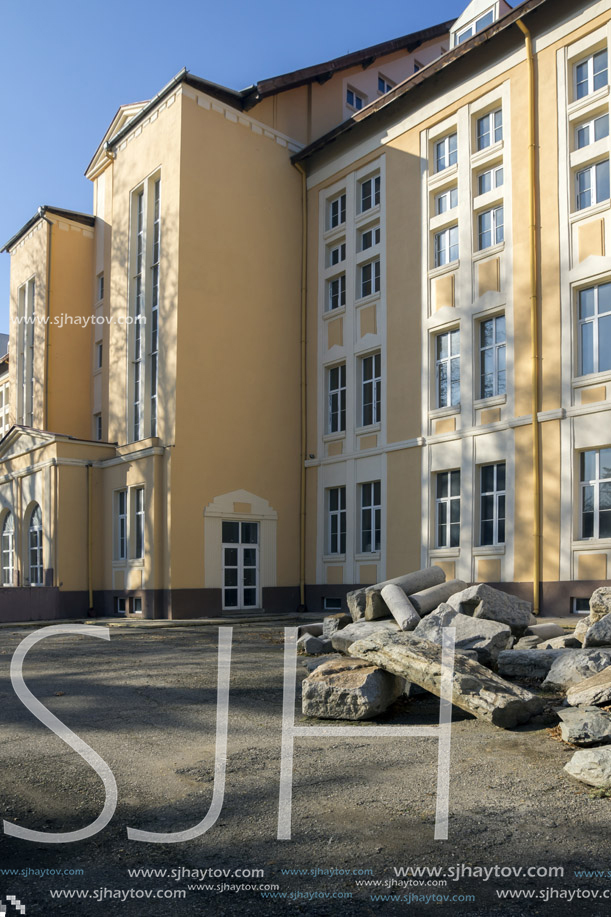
{"points": [[534, 316], [90, 534], [302, 487], [45, 393]]}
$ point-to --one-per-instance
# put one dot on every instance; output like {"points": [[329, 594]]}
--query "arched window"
{"points": [[7, 550], [35, 546]]}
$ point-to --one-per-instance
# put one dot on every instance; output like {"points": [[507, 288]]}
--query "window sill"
{"points": [[444, 552], [333, 313], [440, 178], [334, 558], [590, 211], [331, 235], [491, 402], [483, 253], [374, 555], [591, 379], [435, 272], [489, 550], [580, 105], [489, 152], [583, 543], [367, 300], [372, 428], [450, 411], [365, 215], [334, 437]]}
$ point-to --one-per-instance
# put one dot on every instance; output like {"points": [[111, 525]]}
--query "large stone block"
{"points": [[591, 766], [400, 607], [574, 665], [343, 639], [474, 688], [483, 601], [599, 634], [428, 600], [600, 603], [487, 638], [333, 623], [375, 606], [585, 725], [349, 689], [545, 631], [593, 690], [527, 664]]}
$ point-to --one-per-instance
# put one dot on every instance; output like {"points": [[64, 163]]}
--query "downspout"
{"points": [[45, 399], [534, 317], [302, 485], [90, 534]]}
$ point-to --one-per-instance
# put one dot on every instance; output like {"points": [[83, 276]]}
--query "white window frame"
{"points": [[336, 292], [35, 557], [498, 349], [336, 398], [370, 191], [589, 81], [446, 200], [359, 100], [495, 180], [446, 152], [138, 514], [99, 286], [498, 495], [97, 426], [590, 127], [138, 280], [120, 512], [371, 516], [593, 322], [336, 521], [387, 85], [595, 484], [371, 389], [497, 227], [444, 506], [375, 234], [336, 214], [99, 354], [493, 131], [448, 366], [369, 278], [25, 364], [476, 26], [446, 250], [153, 336], [7, 550], [5, 408], [336, 254], [593, 190]]}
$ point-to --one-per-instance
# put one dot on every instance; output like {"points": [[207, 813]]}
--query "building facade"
{"points": [[348, 322]]}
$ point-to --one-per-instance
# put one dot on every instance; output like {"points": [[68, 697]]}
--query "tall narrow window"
{"points": [[138, 315], [492, 357], [8, 550], [591, 131], [371, 387], [492, 504], [595, 329], [446, 246], [35, 547], [489, 129], [336, 292], [446, 152], [591, 74], [337, 520], [370, 193], [371, 517], [447, 509], [595, 485], [337, 212], [155, 304], [447, 368], [491, 228], [369, 278], [25, 367], [121, 525], [592, 184], [337, 399], [139, 523]]}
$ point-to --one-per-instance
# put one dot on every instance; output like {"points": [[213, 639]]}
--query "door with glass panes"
{"points": [[240, 565]]}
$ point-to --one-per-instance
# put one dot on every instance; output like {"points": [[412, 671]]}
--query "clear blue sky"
{"points": [[67, 65]]}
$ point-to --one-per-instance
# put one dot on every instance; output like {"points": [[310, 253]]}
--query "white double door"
{"points": [[240, 565]]}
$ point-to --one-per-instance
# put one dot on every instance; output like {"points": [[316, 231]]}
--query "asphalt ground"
{"points": [[363, 808]]}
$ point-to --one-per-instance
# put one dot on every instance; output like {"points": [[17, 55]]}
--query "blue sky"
{"points": [[67, 65]]}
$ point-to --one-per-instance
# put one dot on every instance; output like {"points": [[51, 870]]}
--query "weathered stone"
{"points": [[400, 607], [312, 662], [528, 643], [582, 628], [333, 623], [567, 642], [599, 634], [487, 638], [585, 725], [427, 600], [483, 601], [315, 630], [474, 688], [574, 665], [313, 646], [533, 620], [375, 606], [600, 604], [594, 690], [344, 638], [545, 631], [529, 664], [349, 689], [591, 766], [356, 602]]}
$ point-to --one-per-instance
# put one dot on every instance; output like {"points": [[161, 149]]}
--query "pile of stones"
{"points": [[390, 644]]}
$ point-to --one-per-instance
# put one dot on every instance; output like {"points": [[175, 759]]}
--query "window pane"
{"points": [[602, 181], [587, 348], [231, 576], [604, 525], [588, 466], [442, 485], [581, 77], [454, 535], [250, 598], [500, 329], [487, 478], [250, 532], [487, 532], [250, 576], [501, 531], [605, 464], [500, 476], [600, 70], [442, 346], [487, 507], [487, 332], [485, 182], [601, 127], [231, 532], [455, 476], [231, 598], [604, 343], [454, 510], [586, 301], [583, 136], [250, 557], [587, 525], [231, 557]]}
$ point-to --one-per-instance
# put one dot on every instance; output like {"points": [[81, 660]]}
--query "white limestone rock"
{"points": [[594, 690], [591, 766], [487, 638], [349, 689]]}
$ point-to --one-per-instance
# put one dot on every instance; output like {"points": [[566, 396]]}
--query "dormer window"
{"points": [[478, 26], [478, 16]]}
